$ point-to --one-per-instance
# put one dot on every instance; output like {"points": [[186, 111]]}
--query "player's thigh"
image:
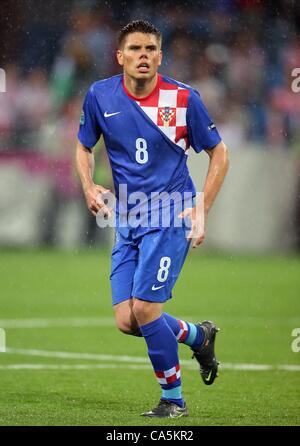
{"points": [[161, 257]]}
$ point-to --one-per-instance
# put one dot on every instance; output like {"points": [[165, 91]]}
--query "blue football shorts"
{"points": [[146, 264]]}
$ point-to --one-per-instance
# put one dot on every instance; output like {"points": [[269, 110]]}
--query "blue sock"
{"points": [[163, 353], [185, 332]]}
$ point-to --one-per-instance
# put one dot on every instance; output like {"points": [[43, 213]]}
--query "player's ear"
{"points": [[160, 58], [120, 57]]}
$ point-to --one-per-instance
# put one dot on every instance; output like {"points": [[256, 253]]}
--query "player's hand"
{"points": [[198, 220], [94, 199]]}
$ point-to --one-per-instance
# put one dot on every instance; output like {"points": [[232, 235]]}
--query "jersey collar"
{"points": [[153, 92]]}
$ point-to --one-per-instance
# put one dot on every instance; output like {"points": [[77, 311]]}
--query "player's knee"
{"points": [[125, 326], [146, 311], [143, 310]]}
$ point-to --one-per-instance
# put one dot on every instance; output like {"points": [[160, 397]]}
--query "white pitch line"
{"points": [[144, 360], [72, 367], [101, 322], [74, 355]]}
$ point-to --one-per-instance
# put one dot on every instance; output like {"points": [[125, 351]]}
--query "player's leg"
{"points": [[201, 339], [124, 263], [160, 259], [163, 353], [186, 332]]}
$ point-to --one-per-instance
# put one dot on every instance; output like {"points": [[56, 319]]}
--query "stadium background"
{"points": [[64, 355]]}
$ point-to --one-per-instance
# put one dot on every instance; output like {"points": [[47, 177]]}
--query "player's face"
{"points": [[140, 56]]}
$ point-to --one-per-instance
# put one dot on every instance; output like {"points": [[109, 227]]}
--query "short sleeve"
{"points": [[201, 129], [89, 128]]}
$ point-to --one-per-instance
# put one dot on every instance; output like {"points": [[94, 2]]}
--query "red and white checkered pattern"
{"points": [[166, 106], [183, 331], [168, 376]]}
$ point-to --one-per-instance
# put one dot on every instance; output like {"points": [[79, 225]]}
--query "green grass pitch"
{"points": [[55, 301]]}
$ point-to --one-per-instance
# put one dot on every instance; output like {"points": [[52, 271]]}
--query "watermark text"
{"points": [[2, 341], [2, 81], [296, 82], [296, 342]]}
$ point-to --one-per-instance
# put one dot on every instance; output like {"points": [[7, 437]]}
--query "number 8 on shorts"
{"points": [[163, 272]]}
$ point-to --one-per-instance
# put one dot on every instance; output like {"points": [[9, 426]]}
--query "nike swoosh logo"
{"points": [[154, 288], [208, 377], [107, 115]]}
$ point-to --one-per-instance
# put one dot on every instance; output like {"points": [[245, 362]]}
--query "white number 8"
{"points": [[141, 154], [163, 272]]}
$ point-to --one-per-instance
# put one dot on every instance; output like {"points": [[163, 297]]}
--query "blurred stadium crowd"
{"points": [[239, 54]]}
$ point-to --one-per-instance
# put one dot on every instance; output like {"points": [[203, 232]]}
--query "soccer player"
{"points": [[148, 122]]}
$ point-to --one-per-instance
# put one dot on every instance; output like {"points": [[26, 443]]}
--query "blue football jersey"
{"points": [[147, 140]]}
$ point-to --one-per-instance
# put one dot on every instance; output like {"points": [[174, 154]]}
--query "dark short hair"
{"points": [[138, 26]]}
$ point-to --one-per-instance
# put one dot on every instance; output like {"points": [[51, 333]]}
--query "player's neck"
{"points": [[140, 88]]}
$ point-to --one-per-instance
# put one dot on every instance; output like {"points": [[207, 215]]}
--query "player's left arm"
{"points": [[203, 135], [217, 170]]}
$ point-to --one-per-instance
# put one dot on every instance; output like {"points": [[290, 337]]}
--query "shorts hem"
{"points": [[116, 300], [150, 299]]}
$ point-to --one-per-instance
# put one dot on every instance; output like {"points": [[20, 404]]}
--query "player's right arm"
{"points": [[88, 135], [85, 167]]}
